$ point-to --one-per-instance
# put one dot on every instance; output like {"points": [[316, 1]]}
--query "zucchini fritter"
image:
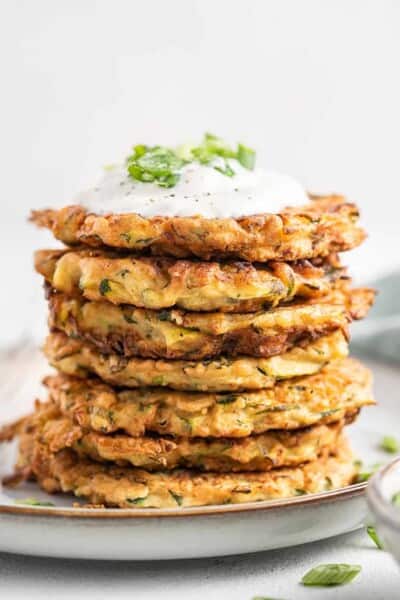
{"points": [[158, 283], [194, 336], [340, 389], [253, 453], [74, 357], [325, 225], [128, 487]]}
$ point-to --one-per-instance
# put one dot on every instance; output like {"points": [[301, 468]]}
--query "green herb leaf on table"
{"points": [[396, 499], [365, 474], [331, 574], [33, 502], [390, 444], [374, 537]]}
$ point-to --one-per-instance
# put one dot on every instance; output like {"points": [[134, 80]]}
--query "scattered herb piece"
{"points": [[331, 574], [104, 287], [367, 473], [374, 537], [129, 319], [178, 499], [396, 499], [246, 156], [164, 315], [390, 444], [33, 502], [137, 501], [260, 370], [225, 170], [126, 237], [228, 399], [328, 413]]}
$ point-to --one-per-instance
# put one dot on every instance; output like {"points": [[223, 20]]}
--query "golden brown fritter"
{"points": [[158, 283], [325, 225], [128, 487], [253, 453], [336, 392], [193, 336], [74, 357]]}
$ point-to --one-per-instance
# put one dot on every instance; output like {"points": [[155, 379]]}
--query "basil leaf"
{"points": [[374, 537], [331, 574]]}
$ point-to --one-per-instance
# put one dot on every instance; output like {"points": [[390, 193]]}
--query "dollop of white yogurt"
{"points": [[201, 190]]}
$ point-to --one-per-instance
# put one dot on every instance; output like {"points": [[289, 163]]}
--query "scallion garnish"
{"points": [[163, 166], [331, 574], [32, 502], [390, 444], [374, 537], [365, 474], [396, 499]]}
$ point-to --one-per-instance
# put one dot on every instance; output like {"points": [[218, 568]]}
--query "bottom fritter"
{"points": [[130, 487]]}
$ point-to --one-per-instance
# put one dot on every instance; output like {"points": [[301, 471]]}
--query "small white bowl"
{"points": [[380, 491]]}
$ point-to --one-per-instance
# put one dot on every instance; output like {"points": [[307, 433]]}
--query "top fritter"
{"points": [[206, 201]]}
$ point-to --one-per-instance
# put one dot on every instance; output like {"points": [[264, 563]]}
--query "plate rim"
{"points": [[341, 494]]}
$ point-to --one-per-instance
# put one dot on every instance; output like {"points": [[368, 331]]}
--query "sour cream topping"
{"points": [[201, 190]]}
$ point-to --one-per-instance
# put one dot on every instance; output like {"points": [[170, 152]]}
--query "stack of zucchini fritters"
{"points": [[200, 361]]}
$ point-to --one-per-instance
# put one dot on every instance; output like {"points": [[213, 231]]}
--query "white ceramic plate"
{"points": [[143, 534]]}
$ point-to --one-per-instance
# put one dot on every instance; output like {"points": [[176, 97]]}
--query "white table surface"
{"points": [[272, 574]]}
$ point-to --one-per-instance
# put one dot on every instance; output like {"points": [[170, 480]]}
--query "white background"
{"points": [[313, 85]]}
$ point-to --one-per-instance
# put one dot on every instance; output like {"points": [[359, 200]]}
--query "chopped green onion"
{"points": [[246, 156], [33, 502], [390, 444], [164, 166], [374, 537], [396, 499], [331, 574], [367, 473], [226, 170]]}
